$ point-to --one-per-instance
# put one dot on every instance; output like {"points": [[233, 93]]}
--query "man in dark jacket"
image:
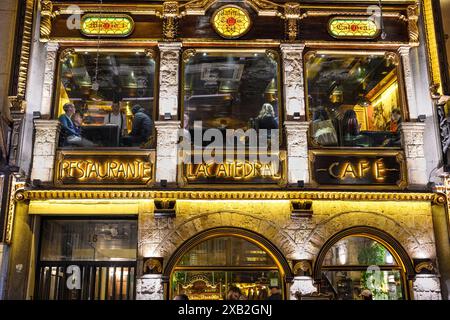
{"points": [[141, 129], [275, 293]]}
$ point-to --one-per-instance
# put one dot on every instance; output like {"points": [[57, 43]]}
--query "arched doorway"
{"points": [[363, 261], [206, 266]]}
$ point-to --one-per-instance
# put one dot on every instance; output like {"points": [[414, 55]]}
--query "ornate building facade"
{"points": [[186, 147]]}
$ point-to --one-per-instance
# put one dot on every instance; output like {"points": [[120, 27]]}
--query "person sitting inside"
{"points": [[70, 133], [141, 129], [266, 118], [393, 126], [234, 293], [117, 117], [350, 127], [275, 293]]}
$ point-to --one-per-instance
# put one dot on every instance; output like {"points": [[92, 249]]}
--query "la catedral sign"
{"points": [[332, 168], [105, 168]]}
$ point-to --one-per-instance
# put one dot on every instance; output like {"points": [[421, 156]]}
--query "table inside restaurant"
{"points": [[106, 135]]}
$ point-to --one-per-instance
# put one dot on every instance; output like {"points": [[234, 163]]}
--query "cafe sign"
{"points": [[118, 25], [97, 168], [355, 169], [353, 28], [245, 170]]}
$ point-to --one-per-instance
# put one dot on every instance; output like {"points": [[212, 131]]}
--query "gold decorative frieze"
{"points": [[58, 194]]}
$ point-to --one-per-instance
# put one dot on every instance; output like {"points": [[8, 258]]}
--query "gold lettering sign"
{"points": [[358, 28], [104, 168], [245, 170], [107, 25], [376, 169]]}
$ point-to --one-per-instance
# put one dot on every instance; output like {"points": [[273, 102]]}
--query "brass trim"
{"points": [[16, 194]]}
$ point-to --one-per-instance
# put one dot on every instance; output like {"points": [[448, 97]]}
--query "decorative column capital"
{"points": [[292, 47], [168, 125], [412, 126], [52, 46], [297, 125], [170, 46], [404, 50]]}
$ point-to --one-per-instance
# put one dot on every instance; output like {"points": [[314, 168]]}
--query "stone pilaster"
{"points": [[294, 93], [150, 287], [297, 151], [303, 285], [412, 142], [49, 76], [44, 150], [169, 78], [427, 287], [15, 140], [409, 81], [167, 150]]}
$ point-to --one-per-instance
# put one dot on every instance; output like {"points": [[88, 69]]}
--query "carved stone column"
{"points": [[409, 81], [150, 287], [301, 285], [169, 78], [49, 76], [44, 150], [297, 151], [294, 93], [167, 150], [427, 287], [412, 141]]}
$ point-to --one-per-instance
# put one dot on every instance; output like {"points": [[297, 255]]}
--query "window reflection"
{"points": [[358, 268], [353, 100], [231, 91], [88, 240], [106, 99]]}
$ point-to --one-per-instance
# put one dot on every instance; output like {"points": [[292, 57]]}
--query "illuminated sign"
{"points": [[83, 168], [107, 25], [358, 28], [358, 168], [237, 171], [231, 22]]}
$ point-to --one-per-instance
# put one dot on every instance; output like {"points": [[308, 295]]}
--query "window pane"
{"points": [[231, 91], [358, 251], [113, 98], [353, 100], [214, 285], [354, 285], [89, 240], [226, 251]]}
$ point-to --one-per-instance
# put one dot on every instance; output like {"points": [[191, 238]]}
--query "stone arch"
{"points": [[251, 236], [325, 229], [188, 228]]}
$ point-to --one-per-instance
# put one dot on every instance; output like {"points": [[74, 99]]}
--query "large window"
{"points": [[106, 99], [87, 260], [354, 99], [210, 269], [231, 90], [356, 267]]}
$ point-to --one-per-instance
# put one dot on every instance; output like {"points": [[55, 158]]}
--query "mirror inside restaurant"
{"points": [[353, 100]]}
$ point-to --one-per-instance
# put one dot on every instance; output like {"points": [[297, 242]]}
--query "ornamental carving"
{"points": [[413, 27]]}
